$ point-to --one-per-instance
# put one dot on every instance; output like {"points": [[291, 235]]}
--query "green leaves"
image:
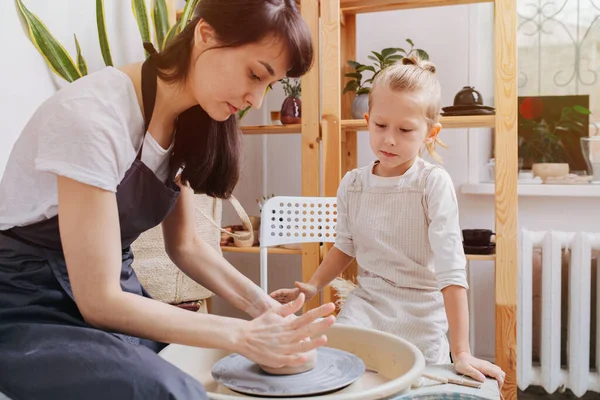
{"points": [[160, 17], [581, 109], [102, 35], [383, 59], [422, 54], [242, 113], [352, 85], [53, 52], [80, 60], [186, 15], [141, 17], [548, 139]]}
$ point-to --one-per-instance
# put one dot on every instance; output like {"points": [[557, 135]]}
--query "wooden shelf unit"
{"points": [[339, 133]]}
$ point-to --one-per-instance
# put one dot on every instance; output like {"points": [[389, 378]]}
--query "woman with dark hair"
{"points": [[110, 156]]}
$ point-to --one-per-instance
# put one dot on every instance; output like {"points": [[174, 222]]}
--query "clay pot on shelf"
{"points": [[550, 170], [247, 239], [291, 111], [468, 96]]}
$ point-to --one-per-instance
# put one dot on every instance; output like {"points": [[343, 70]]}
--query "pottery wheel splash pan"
{"points": [[334, 370], [392, 365]]}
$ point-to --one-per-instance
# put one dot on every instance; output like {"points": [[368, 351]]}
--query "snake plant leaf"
{"points": [[242, 113], [160, 18], [81, 64], [187, 13], [102, 35], [141, 16], [188, 10], [57, 58], [170, 34]]}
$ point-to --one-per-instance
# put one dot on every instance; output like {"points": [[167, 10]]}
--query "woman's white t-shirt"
{"points": [[90, 131]]}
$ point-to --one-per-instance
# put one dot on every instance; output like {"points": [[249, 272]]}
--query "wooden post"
{"points": [[506, 200], [331, 105], [349, 137], [310, 139], [349, 148]]}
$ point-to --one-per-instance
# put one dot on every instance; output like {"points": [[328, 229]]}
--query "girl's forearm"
{"points": [[457, 312], [334, 264]]}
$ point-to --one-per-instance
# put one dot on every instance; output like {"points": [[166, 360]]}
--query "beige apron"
{"points": [[397, 290]]}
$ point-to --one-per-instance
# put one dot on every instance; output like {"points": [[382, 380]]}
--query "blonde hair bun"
{"points": [[419, 62]]}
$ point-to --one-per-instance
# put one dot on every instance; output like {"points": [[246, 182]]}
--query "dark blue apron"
{"points": [[47, 350]]}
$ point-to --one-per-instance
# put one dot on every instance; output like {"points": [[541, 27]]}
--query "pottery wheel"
{"points": [[335, 369]]}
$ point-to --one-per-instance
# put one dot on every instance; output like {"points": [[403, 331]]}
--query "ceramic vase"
{"points": [[590, 147], [291, 111]]}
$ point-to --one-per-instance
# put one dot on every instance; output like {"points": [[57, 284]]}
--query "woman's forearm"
{"points": [[457, 312], [334, 264], [142, 317], [205, 265]]}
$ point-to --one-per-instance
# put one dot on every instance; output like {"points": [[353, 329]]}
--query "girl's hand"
{"points": [[277, 338], [466, 364], [284, 296]]}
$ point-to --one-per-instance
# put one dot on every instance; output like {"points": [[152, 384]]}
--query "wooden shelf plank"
{"points": [[542, 190], [481, 257], [365, 6], [468, 121], [256, 249], [271, 129]]}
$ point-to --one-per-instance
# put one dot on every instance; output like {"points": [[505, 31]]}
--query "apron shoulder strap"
{"points": [[149, 77], [422, 184]]}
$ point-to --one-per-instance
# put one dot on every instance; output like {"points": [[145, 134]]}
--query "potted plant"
{"points": [[291, 108], [545, 145], [381, 60]]}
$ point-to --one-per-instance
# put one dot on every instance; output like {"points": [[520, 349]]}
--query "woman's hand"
{"points": [[466, 364], [277, 338], [284, 296]]}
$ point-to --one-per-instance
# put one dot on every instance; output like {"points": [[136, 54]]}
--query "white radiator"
{"points": [[546, 370]]}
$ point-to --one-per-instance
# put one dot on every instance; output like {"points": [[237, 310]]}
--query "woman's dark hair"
{"points": [[209, 151]]}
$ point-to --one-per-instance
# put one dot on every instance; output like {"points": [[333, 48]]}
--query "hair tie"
{"points": [[149, 47]]}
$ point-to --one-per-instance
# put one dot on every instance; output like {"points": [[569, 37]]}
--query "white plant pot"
{"points": [[360, 105]]}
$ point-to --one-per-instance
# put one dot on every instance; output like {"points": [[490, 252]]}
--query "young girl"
{"points": [[398, 217]]}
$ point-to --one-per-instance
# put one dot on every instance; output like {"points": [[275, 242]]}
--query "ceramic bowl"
{"points": [[477, 237], [393, 365], [468, 96]]}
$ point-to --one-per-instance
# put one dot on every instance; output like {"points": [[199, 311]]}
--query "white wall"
{"points": [[26, 81]]}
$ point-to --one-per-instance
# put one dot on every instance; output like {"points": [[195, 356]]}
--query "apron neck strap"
{"points": [[149, 78]]}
